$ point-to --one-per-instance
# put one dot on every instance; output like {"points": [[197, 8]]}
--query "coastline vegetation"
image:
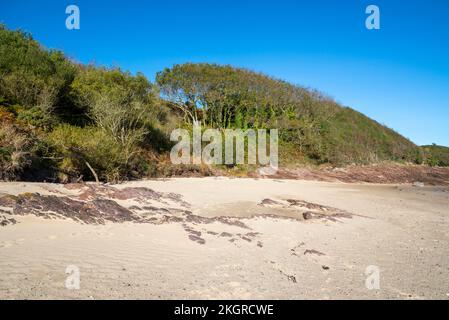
{"points": [[64, 121]]}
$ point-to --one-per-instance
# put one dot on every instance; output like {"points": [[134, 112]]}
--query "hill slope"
{"points": [[436, 155], [312, 125], [64, 121]]}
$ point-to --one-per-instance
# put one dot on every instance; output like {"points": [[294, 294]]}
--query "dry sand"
{"points": [[268, 252]]}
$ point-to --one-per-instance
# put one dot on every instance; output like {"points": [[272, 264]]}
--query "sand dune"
{"points": [[223, 238]]}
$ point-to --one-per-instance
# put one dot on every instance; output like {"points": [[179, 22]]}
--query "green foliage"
{"points": [[321, 130], [16, 147], [353, 137], [99, 116], [76, 148], [436, 155], [226, 97], [33, 77], [93, 84], [37, 116], [124, 106], [68, 121]]}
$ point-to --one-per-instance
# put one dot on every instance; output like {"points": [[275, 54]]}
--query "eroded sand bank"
{"points": [[224, 238]]}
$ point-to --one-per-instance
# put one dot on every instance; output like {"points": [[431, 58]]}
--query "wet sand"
{"points": [[221, 238]]}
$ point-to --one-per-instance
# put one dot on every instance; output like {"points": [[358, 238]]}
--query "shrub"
{"points": [[88, 153], [124, 106], [15, 148], [31, 75], [436, 155]]}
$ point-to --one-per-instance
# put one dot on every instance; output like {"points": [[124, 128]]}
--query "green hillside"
{"points": [[436, 155], [64, 121], [317, 127]]}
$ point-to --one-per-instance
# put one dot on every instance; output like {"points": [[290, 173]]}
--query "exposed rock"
{"points": [[96, 212], [8, 200], [225, 234], [307, 215], [245, 238], [313, 251], [197, 239], [96, 205], [379, 173], [306, 210], [190, 217], [138, 194], [252, 234], [4, 221], [268, 202]]}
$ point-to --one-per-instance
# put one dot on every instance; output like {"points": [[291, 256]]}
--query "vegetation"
{"points": [[436, 155], [15, 148], [314, 125], [64, 121]]}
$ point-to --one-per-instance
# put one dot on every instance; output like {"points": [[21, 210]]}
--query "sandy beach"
{"points": [[223, 238]]}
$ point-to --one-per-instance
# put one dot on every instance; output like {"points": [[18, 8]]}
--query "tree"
{"points": [[117, 102]]}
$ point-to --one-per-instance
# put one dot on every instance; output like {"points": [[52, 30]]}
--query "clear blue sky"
{"points": [[398, 75]]}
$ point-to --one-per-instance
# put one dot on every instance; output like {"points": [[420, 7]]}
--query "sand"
{"points": [[274, 253]]}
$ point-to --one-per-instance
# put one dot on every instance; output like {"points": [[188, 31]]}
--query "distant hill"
{"points": [[63, 121]]}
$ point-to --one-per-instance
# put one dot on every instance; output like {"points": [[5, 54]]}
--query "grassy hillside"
{"points": [[64, 121], [356, 138], [311, 124], [436, 155]]}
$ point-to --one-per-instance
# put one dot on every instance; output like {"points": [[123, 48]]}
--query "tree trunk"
{"points": [[93, 171]]}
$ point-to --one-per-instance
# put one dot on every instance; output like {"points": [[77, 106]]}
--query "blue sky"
{"points": [[398, 75]]}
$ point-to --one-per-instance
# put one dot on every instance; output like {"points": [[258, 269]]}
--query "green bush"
{"points": [[34, 78], [16, 148], [38, 116], [78, 148], [436, 155]]}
